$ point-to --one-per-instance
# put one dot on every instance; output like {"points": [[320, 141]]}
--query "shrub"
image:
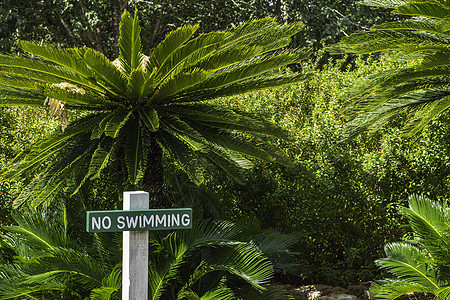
{"points": [[341, 197]]}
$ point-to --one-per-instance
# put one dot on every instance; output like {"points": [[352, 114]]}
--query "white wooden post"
{"points": [[135, 252]]}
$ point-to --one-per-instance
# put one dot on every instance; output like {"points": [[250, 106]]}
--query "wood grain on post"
{"points": [[135, 252]]}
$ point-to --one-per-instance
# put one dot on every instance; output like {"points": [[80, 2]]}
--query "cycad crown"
{"points": [[422, 89], [141, 106]]}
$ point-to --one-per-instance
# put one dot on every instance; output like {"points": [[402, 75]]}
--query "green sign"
{"points": [[133, 220]]}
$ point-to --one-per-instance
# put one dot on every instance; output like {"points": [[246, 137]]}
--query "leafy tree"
{"points": [[420, 265], [418, 90], [94, 23], [138, 107]]}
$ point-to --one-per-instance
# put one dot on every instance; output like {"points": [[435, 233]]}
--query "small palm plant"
{"points": [[420, 90], [421, 265], [206, 262], [137, 108]]}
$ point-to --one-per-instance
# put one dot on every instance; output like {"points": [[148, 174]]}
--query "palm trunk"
{"points": [[153, 180]]}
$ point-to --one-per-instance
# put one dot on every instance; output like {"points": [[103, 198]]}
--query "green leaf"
{"points": [[172, 41], [135, 153], [179, 83], [119, 118], [184, 133], [65, 58], [150, 117], [431, 9], [138, 83], [72, 97], [104, 69], [100, 158], [130, 43], [393, 289], [45, 72], [407, 262], [183, 157]]}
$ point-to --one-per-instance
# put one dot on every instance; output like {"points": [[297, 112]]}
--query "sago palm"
{"points": [[139, 107], [420, 90], [207, 262], [421, 265]]}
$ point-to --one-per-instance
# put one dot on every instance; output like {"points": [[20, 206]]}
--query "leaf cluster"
{"points": [[138, 103], [418, 89], [420, 265]]}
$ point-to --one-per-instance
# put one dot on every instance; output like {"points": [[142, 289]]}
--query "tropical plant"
{"points": [[421, 265], [207, 262], [419, 89], [139, 107]]}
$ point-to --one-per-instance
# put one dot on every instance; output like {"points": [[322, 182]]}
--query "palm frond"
{"points": [[183, 157], [130, 48], [149, 117], [47, 186], [119, 118], [392, 289], [408, 262], [171, 42], [431, 9], [42, 71], [185, 133], [104, 69], [135, 153], [384, 3], [428, 222]]}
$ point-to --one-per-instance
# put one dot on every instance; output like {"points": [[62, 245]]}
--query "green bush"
{"points": [[19, 128], [340, 196]]}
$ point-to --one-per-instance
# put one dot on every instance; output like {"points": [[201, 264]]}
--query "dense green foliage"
{"points": [[19, 128], [94, 23], [341, 197], [43, 257], [419, 90], [420, 264]]}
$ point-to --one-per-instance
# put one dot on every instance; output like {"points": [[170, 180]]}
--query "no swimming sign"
{"points": [[133, 220]]}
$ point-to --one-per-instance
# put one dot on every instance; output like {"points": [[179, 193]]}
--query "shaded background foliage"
{"points": [[340, 197], [94, 23]]}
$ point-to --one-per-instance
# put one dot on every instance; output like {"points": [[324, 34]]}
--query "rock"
{"points": [[338, 297]]}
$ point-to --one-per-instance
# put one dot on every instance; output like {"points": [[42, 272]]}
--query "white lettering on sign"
{"points": [[140, 221], [185, 220], [108, 219], [149, 221], [161, 220], [175, 220], [121, 221], [96, 223], [132, 222]]}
